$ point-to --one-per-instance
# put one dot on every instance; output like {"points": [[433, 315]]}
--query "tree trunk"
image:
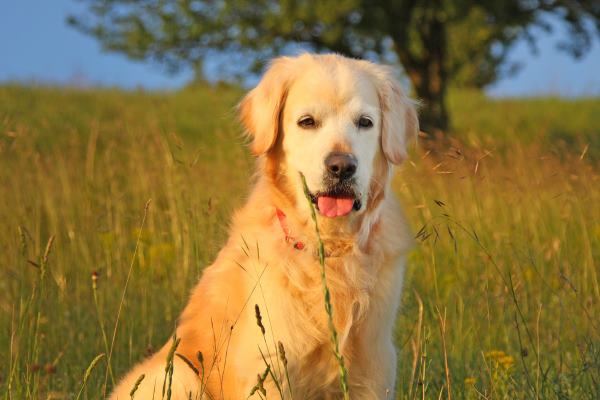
{"points": [[428, 74], [433, 115]]}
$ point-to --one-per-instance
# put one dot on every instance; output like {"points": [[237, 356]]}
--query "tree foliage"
{"points": [[437, 42]]}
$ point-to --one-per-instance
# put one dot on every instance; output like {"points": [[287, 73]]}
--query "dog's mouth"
{"points": [[337, 201]]}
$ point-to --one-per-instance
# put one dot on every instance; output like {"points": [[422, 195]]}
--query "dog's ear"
{"points": [[400, 123], [261, 109]]}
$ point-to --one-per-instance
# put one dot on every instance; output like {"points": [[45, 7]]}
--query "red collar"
{"points": [[298, 245]]}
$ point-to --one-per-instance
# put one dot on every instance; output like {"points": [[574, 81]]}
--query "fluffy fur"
{"points": [[365, 250]]}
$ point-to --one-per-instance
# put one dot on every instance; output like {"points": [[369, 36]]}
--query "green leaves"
{"points": [[459, 42]]}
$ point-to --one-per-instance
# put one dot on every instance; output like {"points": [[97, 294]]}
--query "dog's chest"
{"points": [[309, 339], [349, 284]]}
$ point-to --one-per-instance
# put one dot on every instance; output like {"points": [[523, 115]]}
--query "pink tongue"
{"points": [[334, 206]]}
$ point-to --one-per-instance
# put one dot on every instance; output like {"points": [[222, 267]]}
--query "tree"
{"points": [[437, 42]]}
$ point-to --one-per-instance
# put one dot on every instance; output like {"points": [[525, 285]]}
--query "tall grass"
{"points": [[87, 185], [565, 125], [508, 246], [502, 294]]}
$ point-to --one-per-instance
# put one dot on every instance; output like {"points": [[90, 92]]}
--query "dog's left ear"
{"points": [[260, 110], [400, 123]]}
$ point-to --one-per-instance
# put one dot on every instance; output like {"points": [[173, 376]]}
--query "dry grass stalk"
{"points": [[114, 336]]}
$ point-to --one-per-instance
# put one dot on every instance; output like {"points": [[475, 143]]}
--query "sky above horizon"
{"points": [[36, 45]]}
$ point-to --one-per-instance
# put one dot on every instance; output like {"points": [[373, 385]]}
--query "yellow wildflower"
{"points": [[495, 354], [506, 361], [470, 381]]}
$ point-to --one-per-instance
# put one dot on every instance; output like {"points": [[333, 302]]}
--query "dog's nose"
{"points": [[341, 165]]}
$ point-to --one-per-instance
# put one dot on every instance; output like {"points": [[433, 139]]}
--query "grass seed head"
{"points": [[136, 385], [282, 356], [259, 319]]}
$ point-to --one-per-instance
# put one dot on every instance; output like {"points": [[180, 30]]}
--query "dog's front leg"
{"points": [[152, 381]]}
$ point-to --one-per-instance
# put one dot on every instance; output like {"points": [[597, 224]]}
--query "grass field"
{"points": [[503, 285]]}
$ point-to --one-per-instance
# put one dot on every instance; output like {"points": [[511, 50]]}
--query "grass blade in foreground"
{"points": [[88, 372], [327, 295]]}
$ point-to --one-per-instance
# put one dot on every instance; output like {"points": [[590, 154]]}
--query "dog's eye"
{"points": [[364, 122], [307, 122]]}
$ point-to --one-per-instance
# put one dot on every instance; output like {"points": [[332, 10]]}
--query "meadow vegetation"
{"points": [[502, 292]]}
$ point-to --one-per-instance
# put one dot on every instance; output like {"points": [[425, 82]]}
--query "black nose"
{"points": [[341, 165]]}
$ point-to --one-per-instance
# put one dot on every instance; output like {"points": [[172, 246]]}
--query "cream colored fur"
{"points": [[365, 250]]}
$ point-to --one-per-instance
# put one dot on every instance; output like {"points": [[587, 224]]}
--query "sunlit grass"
{"points": [[508, 251]]}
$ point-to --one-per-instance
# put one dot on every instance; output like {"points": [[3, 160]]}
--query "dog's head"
{"points": [[338, 121]]}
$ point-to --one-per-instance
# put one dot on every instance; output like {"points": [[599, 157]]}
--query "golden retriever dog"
{"points": [[343, 124]]}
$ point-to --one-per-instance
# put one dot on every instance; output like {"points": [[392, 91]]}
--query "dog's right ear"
{"points": [[261, 109]]}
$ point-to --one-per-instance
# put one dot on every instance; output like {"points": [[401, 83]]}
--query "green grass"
{"points": [[506, 262], [557, 123]]}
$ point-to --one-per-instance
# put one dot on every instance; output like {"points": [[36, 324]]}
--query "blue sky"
{"points": [[36, 45]]}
